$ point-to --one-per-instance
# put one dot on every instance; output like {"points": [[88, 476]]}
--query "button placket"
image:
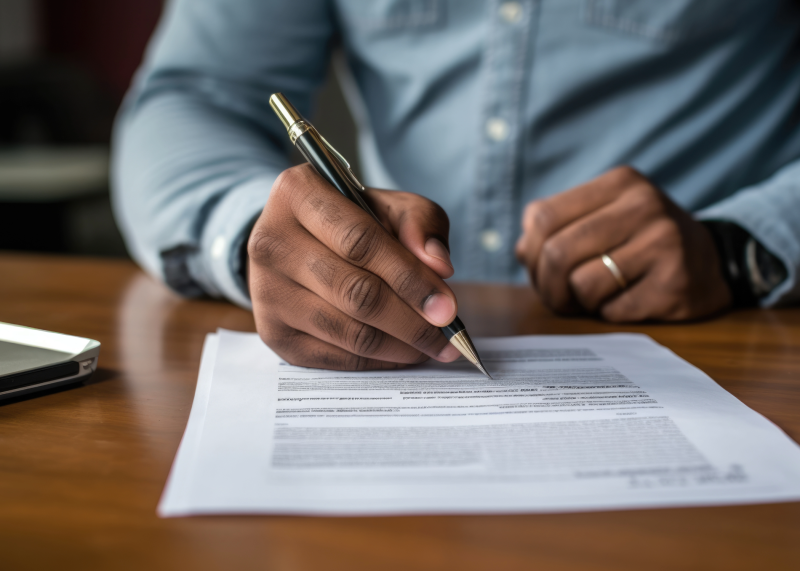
{"points": [[497, 129], [492, 211], [491, 240], [511, 12]]}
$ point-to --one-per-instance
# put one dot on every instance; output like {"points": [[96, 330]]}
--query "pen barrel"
{"points": [[455, 327], [315, 152]]}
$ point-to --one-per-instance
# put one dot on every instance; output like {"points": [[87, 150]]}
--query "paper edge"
{"points": [[176, 491]]}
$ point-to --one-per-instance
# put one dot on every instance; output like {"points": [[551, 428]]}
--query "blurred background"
{"points": [[65, 66]]}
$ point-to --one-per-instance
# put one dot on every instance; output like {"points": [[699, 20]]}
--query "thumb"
{"points": [[422, 226]]}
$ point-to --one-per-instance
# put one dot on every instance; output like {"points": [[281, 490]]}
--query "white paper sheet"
{"points": [[176, 489], [569, 423]]}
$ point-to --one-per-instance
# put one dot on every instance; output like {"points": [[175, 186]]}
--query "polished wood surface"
{"points": [[82, 469]]}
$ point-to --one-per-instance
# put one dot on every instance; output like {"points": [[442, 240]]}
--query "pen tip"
{"points": [[483, 370]]}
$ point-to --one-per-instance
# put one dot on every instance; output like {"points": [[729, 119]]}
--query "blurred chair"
{"points": [[55, 123]]}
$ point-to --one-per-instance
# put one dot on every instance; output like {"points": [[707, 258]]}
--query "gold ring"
{"points": [[614, 269]]}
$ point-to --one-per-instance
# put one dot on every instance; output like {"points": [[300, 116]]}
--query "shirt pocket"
{"points": [[391, 15], [668, 21]]}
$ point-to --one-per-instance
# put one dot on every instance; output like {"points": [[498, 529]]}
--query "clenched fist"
{"points": [[668, 261], [332, 288]]}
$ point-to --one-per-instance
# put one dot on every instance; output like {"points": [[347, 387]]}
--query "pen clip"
{"points": [[348, 171]]}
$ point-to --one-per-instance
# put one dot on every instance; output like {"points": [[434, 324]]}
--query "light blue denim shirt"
{"points": [[480, 105]]}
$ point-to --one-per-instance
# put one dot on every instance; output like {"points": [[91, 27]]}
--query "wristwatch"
{"points": [[750, 270]]}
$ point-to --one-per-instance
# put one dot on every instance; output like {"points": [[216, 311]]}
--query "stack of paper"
{"points": [[568, 423]]}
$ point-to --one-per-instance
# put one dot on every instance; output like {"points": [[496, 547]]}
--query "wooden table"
{"points": [[81, 470]]}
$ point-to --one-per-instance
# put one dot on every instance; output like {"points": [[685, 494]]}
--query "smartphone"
{"points": [[34, 360]]}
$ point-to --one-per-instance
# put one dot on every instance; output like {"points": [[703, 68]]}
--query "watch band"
{"points": [[750, 270], [731, 240], [765, 270]]}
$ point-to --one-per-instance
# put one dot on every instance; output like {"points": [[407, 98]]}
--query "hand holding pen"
{"points": [[337, 286]]}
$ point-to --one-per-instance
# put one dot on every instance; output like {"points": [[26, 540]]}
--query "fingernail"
{"points": [[435, 248], [439, 308], [448, 354]]}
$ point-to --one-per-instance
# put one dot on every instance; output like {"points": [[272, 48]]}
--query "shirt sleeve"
{"points": [[770, 212], [196, 145]]}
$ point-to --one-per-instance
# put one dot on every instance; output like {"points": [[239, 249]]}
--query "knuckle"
{"points": [[436, 217], [527, 216], [358, 242], [363, 295], [282, 183], [439, 213], [666, 233], [265, 245], [287, 183], [422, 207], [408, 285], [626, 174], [365, 339], [294, 186], [326, 322], [539, 217], [582, 284], [643, 198], [283, 340], [553, 254]]}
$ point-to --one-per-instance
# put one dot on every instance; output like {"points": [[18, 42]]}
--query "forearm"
{"points": [[189, 178], [196, 146]]}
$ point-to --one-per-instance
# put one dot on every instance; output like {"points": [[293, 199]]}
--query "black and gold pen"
{"points": [[334, 168]]}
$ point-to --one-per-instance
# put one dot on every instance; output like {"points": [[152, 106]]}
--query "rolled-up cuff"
{"points": [[218, 264], [771, 214]]}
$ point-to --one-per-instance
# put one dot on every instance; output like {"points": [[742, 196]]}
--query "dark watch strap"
{"points": [[243, 257], [731, 240], [766, 270], [751, 270]]}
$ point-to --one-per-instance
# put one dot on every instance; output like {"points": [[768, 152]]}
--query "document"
{"points": [[568, 423]]}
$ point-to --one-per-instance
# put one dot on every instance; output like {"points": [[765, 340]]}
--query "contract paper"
{"points": [[569, 423]]}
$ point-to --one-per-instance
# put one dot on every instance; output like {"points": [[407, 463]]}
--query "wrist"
{"points": [[244, 258], [749, 269]]}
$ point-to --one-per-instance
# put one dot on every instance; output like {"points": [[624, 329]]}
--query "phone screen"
{"points": [[23, 348]]}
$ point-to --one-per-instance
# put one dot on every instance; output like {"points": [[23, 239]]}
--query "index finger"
{"points": [[359, 239]]}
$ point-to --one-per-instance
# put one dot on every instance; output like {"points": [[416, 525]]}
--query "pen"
{"points": [[334, 168]]}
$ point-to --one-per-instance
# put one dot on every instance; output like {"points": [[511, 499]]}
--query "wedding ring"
{"points": [[614, 269]]}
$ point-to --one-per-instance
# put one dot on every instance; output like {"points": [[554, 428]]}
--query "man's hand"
{"points": [[333, 289], [668, 259]]}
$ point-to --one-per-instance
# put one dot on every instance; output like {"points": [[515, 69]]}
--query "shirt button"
{"points": [[497, 129], [511, 12], [491, 240], [218, 247]]}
